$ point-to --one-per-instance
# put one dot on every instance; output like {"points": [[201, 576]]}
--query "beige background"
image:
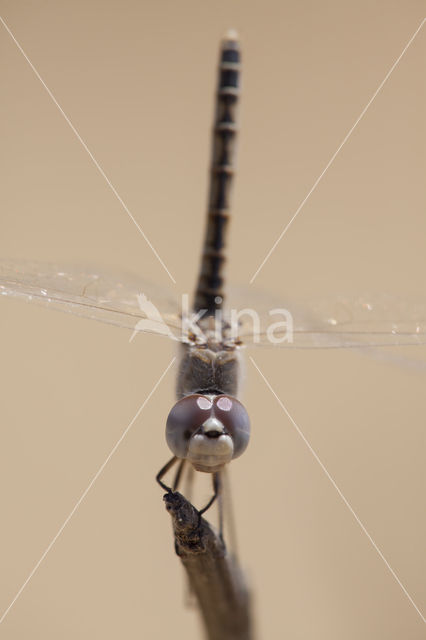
{"points": [[136, 79]]}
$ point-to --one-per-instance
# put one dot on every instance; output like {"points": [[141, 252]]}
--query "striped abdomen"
{"points": [[209, 293]]}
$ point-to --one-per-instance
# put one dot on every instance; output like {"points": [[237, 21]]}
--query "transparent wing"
{"points": [[125, 301], [128, 301], [360, 321]]}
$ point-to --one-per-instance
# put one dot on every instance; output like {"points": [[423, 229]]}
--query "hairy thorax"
{"points": [[209, 369]]}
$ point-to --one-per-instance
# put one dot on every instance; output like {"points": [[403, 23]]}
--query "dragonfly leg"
{"points": [[229, 513], [189, 483], [178, 475], [216, 490], [163, 472], [220, 508]]}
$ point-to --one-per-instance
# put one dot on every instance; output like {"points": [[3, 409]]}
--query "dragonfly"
{"points": [[209, 426]]}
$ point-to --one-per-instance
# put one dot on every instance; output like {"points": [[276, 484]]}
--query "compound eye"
{"points": [[186, 417], [235, 419]]}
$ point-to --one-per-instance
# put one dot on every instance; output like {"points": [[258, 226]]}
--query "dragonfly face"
{"points": [[207, 430]]}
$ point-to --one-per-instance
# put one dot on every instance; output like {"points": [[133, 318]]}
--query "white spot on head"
{"points": [[213, 424], [204, 403], [225, 404]]}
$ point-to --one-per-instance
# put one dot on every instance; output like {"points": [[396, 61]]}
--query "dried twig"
{"points": [[214, 576]]}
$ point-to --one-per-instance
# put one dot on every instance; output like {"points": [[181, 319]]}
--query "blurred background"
{"points": [[137, 81]]}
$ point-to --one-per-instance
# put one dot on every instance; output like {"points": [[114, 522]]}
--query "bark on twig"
{"points": [[214, 576]]}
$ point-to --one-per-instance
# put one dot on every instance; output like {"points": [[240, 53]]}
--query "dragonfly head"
{"points": [[208, 430]]}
